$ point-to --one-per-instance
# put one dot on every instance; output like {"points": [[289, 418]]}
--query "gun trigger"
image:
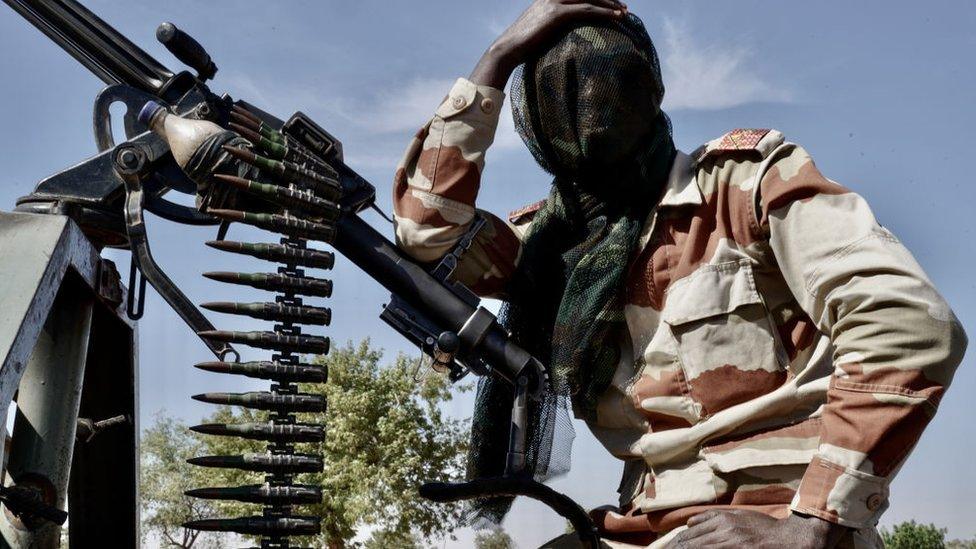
{"points": [[420, 372]]}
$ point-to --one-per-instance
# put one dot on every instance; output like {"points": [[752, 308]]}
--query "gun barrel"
{"points": [[94, 43], [386, 264]]}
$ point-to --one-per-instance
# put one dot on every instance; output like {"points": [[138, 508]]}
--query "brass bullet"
{"points": [[260, 526], [259, 400], [303, 285], [287, 432], [285, 464], [272, 340], [278, 253]]}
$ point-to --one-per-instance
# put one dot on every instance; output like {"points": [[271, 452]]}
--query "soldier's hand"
{"points": [[736, 529], [542, 22]]}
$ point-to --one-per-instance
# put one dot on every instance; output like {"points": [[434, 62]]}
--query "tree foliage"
{"points": [[912, 535], [164, 476], [385, 436], [386, 539], [493, 539]]}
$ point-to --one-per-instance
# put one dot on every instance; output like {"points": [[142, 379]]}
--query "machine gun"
{"points": [[107, 195]]}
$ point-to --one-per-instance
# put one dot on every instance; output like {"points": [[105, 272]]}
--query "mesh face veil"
{"points": [[589, 110], [588, 106]]}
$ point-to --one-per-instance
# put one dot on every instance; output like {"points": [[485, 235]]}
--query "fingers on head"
{"points": [[590, 10], [613, 4]]}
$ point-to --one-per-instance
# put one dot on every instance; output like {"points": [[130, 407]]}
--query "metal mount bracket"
{"points": [[131, 162], [473, 333], [448, 264]]}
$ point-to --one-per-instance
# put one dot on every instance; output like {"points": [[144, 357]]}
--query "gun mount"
{"points": [[313, 195]]}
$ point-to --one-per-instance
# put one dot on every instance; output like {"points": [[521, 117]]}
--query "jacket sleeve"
{"points": [[896, 343], [436, 185]]}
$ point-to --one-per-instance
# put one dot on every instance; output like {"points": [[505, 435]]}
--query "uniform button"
{"points": [[459, 102], [487, 105], [874, 502]]}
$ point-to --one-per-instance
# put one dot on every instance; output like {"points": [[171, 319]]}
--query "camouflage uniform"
{"points": [[784, 353]]}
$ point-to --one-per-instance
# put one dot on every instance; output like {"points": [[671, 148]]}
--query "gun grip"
{"points": [[187, 50]]}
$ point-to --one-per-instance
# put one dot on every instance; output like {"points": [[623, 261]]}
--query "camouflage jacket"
{"points": [[785, 351]]}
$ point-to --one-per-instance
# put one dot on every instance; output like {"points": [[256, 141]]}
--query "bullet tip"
{"points": [[213, 366]]}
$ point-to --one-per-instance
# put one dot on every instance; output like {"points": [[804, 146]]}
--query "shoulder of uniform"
{"points": [[762, 141], [525, 212]]}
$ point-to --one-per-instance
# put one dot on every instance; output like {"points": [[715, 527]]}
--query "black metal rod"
{"points": [[386, 264], [444, 492], [515, 460], [95, 44]]}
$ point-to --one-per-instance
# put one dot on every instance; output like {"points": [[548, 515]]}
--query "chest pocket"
{"points": [[724, 336]]}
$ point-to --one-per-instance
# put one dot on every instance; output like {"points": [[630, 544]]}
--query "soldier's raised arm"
{"points": [[437, 181]]}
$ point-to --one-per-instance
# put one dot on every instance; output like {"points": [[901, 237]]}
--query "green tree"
{"points": [[912, 535], [493, 539], [385, 436], [386, 539], [164, 476]]}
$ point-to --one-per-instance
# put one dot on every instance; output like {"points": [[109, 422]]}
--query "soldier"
{"points": [[738, 329]]}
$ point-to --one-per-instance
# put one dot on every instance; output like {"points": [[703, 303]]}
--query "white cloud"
{"points": [[506, 138], [408, 108], [284, 99], [496, 25], [380, 161], [405, 108], [699, 77]]}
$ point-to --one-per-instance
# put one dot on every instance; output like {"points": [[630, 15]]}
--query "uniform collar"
{"points": [[682, 187], [681, 190]]}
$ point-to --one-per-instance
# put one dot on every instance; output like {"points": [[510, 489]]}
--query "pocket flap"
{"points": [[461, 96], [711, 290], [790, 445]]}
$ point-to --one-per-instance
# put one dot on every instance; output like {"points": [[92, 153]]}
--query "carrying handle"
{"points": [[187, 50]]}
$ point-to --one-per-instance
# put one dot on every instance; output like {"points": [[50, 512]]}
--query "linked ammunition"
{"points": [[307, 193], [276, 149], [278, 253], [303, 285], [283, 224], [284, 464], [259, 400], [273, 432], [271, 340], [284, 149], [275, 371], [246, 114], [260, 526], [285, 197], [324, 184], [260, 128], [299, 314], [267, 494], [244, 117]]}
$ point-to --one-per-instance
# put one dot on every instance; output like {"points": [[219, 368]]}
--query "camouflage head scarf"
{"points": [[589, 110]]}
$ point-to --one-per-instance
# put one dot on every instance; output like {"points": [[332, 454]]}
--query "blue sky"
{"points": [[879, 92]]}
